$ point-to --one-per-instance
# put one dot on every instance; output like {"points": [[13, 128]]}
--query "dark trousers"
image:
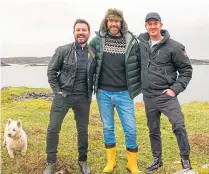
{"points": [[170, 107], [60, 106]]}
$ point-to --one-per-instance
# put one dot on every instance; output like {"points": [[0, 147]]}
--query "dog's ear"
{"points": [[9, 121], [19, 124]]}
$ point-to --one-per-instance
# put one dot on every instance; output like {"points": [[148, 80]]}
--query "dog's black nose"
{"points": [[9, 134]]}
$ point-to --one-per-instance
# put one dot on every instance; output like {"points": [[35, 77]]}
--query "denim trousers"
{"points": [[125, 108], [60, 106]]}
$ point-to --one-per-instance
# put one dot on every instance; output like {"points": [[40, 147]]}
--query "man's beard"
{"points": [[109, 29], [81, 42]]}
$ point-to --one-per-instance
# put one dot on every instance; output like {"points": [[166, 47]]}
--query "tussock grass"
{"points": [[34, 114]]}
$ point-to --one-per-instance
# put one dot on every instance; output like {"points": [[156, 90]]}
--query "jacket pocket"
{"points": [[63, 78], [170, 77], [157, 78], [144, 78], [163, 57]]}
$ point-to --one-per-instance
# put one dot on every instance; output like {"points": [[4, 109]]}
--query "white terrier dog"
{"points": [[15, 138]]}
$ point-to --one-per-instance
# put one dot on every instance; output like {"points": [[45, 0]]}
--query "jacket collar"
{"points": [[79, 47], [144, 37]]}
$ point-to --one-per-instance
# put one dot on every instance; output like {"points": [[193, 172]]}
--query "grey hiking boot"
{"points": [[50, 168], [156, 164], [85, 169], [186, 164]]}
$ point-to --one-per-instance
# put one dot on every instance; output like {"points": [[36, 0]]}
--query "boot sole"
{"points": [[149, 172], [112, 170], [130, 170]]}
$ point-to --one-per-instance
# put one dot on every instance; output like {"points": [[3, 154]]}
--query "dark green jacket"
{"points": [[132, 61], [160, 67], [62, 69]]}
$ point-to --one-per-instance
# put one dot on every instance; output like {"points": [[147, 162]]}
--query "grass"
{"points": [[34, 114]]}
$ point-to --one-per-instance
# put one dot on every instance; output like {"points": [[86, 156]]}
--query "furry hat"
{"points": [[113, 13]]}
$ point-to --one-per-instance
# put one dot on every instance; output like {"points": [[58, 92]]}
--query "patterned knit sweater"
{"points": [[112, 75]]}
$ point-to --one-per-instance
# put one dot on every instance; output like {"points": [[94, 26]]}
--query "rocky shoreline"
{"points": [[4, 64], [35, 95], [31, 95]]}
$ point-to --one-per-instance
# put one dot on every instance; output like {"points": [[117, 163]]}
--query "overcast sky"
{"points": [[37, 27]]}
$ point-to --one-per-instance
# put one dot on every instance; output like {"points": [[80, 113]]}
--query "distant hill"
{"points": [[26, 60], [199, 62], [36, 61], [4, 64]]}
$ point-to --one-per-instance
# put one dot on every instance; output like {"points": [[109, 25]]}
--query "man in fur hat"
{"points": [[117, 83]]}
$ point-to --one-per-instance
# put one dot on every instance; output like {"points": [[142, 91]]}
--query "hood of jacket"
{"points": [[144, 37], [113, 14]]}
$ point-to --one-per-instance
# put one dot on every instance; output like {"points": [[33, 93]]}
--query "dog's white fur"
{"points": [[15, 138]]}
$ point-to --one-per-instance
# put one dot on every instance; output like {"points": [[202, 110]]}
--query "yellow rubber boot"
{"points": [[132, 162], [111, 160]]}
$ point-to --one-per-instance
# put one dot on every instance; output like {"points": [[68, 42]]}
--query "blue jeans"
{"points": [[125, 108]]}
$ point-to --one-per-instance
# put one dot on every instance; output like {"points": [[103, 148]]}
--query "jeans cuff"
{"points": [[132, 150], [82, 158], [51, 158], [185, 157], [109, 146]]}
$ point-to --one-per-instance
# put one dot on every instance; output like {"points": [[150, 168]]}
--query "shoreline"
{"points": [[47, 94], [41, 61]]}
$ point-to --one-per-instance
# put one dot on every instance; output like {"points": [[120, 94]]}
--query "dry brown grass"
{"points": [[200, 141]]}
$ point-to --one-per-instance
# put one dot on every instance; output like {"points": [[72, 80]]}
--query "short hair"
{"points": [[81, 21]]}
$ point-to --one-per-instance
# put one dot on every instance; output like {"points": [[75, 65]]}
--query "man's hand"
{"points": [[169, 92]]}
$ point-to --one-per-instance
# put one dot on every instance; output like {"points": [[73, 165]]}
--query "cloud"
{"points": [[36, 28]]}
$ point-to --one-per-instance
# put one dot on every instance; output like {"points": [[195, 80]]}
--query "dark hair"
{"points": [[81, 21]]}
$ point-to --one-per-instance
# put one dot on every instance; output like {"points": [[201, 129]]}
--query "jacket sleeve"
{"points": [[54, 67], [184, 68], [92, 46]]}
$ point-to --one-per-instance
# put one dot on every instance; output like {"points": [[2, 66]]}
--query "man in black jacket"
{"points": [[161, 59], [70, 75]]}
